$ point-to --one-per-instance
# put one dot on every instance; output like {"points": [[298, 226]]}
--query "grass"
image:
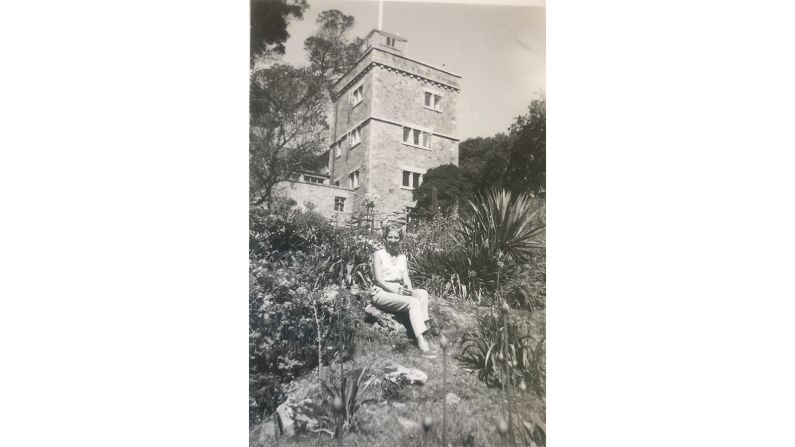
{"points": [[473, 421]]}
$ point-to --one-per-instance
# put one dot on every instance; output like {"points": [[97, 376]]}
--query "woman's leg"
{"points": [[422, 296], [394, 303]]}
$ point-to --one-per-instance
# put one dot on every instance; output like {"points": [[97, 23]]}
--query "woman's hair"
{"points": [[388, 228]]}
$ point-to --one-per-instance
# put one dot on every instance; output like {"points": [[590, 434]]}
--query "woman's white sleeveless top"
{"points": [[392, 270]]}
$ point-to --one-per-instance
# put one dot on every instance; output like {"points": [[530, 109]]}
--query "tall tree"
{"points": [[515, 161], [269, 19], [528, 161], [331, 52], [288, 105], [483, 161], [287, 126]]}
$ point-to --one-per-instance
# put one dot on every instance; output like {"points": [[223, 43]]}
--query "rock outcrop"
{"points": [[304, 410], [264, 433], [384, 321]]}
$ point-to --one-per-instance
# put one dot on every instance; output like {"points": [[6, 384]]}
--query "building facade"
{"points": [[393, 119]]}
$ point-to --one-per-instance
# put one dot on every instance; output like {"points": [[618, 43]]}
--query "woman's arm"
{"points": [[378, 276], [406, 279]]}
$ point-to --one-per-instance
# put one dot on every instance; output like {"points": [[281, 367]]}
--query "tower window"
{"points": [[357, 95], [390, 42], [433, 100], [353, 179], [355, 137], [416, 137]]}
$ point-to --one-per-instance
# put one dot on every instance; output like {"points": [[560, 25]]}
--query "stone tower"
{"points": [[394, 118]]}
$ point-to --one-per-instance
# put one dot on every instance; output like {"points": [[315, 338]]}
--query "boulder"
{"points": [[303, 410], [383, 321], [399, 374], [263, 434]]}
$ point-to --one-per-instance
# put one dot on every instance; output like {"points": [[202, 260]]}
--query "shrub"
{"points": [[331, 255], [272, 234], [294, 254], [286, 322]]}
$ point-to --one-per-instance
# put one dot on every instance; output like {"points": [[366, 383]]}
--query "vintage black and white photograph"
{"points": [[404, 289], [397, 224]]}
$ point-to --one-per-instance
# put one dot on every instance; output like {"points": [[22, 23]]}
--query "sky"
{"points": [[498, 50]]}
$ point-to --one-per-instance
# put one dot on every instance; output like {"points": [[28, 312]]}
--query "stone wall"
{"points": [[392, 157], [348, 117], [401, 98], [322, 196]]}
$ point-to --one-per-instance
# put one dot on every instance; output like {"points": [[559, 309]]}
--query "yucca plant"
{"points": [[498, 238], [500, 224], [350, 391]]}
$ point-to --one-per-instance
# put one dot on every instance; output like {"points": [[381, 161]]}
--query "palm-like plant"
{"points": [[500, 224]]}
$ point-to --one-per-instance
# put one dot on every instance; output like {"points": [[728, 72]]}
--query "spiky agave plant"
{"points": [[500, 222]]}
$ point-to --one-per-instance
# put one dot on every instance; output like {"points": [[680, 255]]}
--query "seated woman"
{"points": [[392, 289]]}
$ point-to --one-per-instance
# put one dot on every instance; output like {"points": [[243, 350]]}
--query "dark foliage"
{"points": [[331, 53], [515, 161], [451, 189], [527, 168], [269, 19], [483, 161], [287, 126]]}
